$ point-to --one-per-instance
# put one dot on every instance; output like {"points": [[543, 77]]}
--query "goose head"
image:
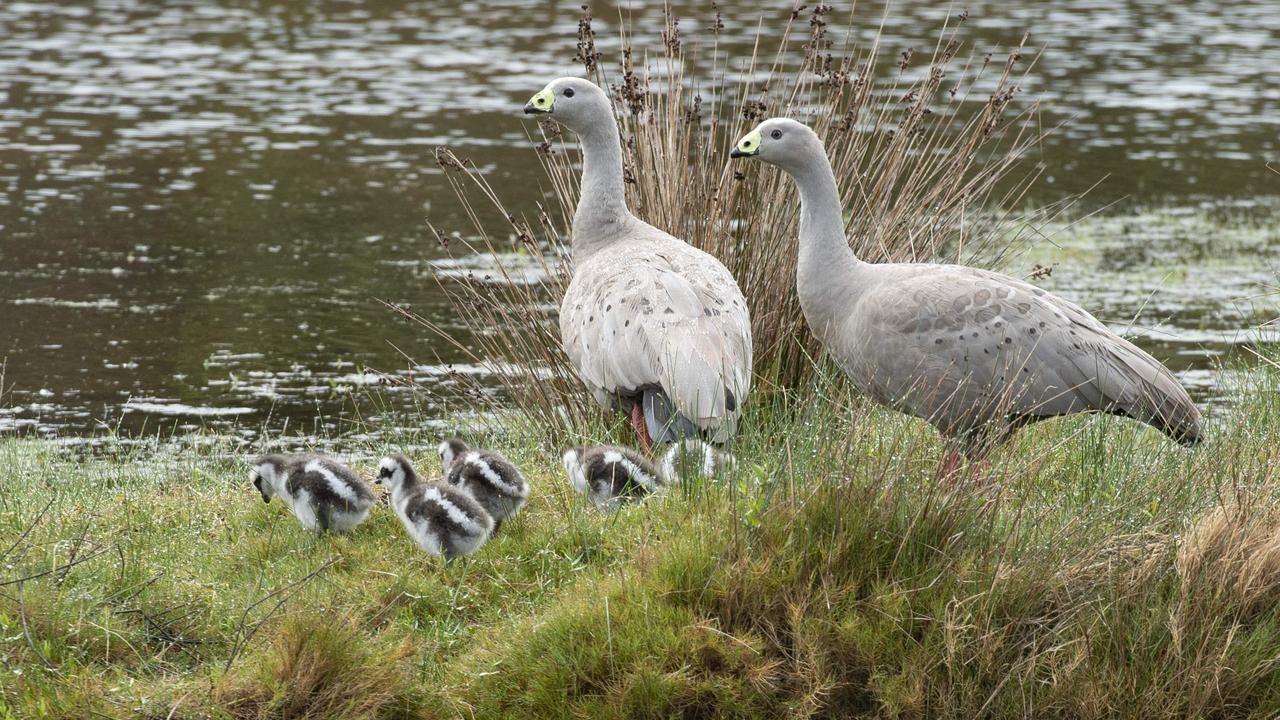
{"points": [[573, 102], [394, 472], [780, 141], [450, 451], [266, 472]]}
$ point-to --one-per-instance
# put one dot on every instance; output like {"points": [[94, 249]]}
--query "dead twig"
{"points": [[281, 596]]}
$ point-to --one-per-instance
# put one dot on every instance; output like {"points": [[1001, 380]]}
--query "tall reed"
{"points": [[929, 153]]}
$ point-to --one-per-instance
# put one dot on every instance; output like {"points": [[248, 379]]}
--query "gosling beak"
{"points": [[541, 104], [748, 146]]}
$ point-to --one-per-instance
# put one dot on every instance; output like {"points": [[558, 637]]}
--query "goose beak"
{"points": [[541, 104], [748, 146]]}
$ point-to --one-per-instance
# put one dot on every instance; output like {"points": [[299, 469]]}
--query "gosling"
{"points": [[441, 519], [494, 481], [321, 492], [693, 458], [609, 476]]}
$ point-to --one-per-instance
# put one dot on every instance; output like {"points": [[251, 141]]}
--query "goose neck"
{"points": [[280, 483], [823, 246], [602, 212]]}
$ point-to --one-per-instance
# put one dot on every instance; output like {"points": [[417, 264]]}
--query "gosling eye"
{"points": [[568, 92], [776, 134]]}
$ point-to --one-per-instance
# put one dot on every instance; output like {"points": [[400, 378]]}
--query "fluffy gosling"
{"points": [[494, 481], [609, 476], [441, 519], [321, 492]]}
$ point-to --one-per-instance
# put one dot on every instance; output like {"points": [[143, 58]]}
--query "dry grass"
{"points": [[315, 668], [928, 152]]}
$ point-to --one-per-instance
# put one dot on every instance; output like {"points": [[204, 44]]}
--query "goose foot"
{"points": [[642, 431]]}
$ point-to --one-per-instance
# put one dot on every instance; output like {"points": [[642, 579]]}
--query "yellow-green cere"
{"points": [[543, 101], [750, 143]]}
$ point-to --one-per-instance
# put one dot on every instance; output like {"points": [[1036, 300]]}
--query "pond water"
{"points": [[202, 204]]}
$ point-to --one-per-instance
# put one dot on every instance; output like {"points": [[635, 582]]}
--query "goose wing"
{"points": [[671, 317], [962, 346]]}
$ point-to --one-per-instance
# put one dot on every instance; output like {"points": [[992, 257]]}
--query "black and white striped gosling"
{"points": [[693, 458], [494, 481], [609, 476], [441, 519], [321, 492]]}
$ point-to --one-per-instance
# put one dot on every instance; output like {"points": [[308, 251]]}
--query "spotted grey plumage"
{"points": [[975, 353], [321, 492], [440, 519], [493, 480], [653, 326]]}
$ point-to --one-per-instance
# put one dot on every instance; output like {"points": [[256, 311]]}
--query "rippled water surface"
{"points": [[202, 203]]}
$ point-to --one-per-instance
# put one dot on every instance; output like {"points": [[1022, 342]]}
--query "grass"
{"points": [[1104, 574]]}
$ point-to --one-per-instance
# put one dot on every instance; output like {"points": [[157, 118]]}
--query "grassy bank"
{"points": [[1104, 573]]}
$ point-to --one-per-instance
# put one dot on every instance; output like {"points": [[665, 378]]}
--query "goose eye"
{"points": [[776, 134], [568, 92]]}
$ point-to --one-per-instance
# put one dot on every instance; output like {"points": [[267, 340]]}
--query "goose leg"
{"points": [[637, 422], [978, 472], [949, 470]]}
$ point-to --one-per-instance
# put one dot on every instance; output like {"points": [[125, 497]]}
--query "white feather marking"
{"points": [[279, 482], [304, 510], [669, 466], [454, 512], [577, 478], [473, 459], [708, 460], [337, 484], [645, 479]]}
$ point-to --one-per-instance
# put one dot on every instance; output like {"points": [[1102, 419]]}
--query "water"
{"points": [[202, 203]]}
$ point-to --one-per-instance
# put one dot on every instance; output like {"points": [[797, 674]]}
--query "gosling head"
{"points": [[450, 450], [780, 141], [573, 102], [264, 474], [395, 471]]}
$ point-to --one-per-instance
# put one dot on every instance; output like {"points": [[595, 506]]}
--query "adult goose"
{"points": [[653, 326], [975, 353]]}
